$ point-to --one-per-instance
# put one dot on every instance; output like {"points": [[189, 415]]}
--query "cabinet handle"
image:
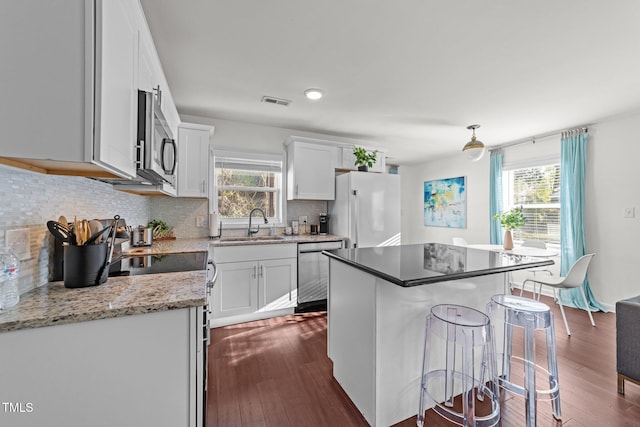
{"points": [[203, 188], [262, 271], [255, 271], [139, 154], [296, 189]]}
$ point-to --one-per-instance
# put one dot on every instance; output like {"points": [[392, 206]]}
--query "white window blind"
{"points": [[537, 190], [244, 181]]}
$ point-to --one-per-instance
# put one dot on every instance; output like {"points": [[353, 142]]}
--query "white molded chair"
{"points": [[459, 241], [574, 278], [539, 244]]}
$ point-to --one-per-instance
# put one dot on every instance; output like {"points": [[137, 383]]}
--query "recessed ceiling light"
{"points": [[313, 94]]}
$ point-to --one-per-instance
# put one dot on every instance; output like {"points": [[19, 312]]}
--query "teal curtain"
{"points": [[495, 197], [573, 164]]}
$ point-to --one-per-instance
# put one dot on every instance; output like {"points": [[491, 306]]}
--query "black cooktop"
{"points": [[154, 264]]}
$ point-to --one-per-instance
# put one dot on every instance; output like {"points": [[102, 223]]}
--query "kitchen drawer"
{"points": [[253, 252]]}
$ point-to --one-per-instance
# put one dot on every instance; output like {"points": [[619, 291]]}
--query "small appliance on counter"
{"points": [[141, 236], [324, 224]]}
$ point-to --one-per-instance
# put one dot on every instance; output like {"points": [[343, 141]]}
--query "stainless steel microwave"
{"points": [[157, 153]]}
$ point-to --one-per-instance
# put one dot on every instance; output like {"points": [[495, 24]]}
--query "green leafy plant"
{"points": [[363, 158], [160, 229], [162, 226], [512, 219]]}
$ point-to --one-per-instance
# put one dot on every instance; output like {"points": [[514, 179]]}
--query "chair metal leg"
{"points": [[552, 363], [530, 373], [557, 298], [425, 363], [586, 304]]}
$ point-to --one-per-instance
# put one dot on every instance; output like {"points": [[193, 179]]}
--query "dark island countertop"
{"points": [[421, 264]]}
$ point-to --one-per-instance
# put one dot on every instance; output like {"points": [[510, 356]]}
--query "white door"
{"points": [[117, 84], [236, 289], [376, 209], [193, 162], [277, 281]]}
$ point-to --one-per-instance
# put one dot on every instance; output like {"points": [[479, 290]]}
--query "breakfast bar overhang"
{"points": [[377, 304]]}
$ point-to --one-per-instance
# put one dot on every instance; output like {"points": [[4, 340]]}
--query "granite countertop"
{"points": [[421, 264], [174, 246], [270, 240], [53, 304]]}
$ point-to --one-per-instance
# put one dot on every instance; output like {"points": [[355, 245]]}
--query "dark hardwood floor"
{"points": [[275, 372]]}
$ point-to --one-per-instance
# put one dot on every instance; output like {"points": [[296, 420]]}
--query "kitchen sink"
{"points": [[250, 239]]}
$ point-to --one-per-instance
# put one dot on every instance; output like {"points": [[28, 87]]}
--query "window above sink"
{"points": [[243, 181]]}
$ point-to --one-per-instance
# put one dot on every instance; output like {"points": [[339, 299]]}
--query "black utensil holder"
{"points": [[83, 265]]}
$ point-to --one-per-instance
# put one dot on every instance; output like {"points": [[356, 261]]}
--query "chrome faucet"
{"points": [[250, 231]]}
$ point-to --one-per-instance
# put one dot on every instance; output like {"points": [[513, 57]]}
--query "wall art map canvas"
{"points": [[445, 203]]}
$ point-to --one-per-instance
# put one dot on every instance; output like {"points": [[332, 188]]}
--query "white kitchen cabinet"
{"points": [[193, 159], [277, 278], [254, 281], [116, 103], [236, 289], [138, 370], [73, 84], [147, 74], [310, 171]]}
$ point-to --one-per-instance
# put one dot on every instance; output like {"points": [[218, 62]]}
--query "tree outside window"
{"points": [[244, 184], [537, 190]]}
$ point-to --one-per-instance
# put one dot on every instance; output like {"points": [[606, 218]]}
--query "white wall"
{"points": [[611, 186], [413, 178], [247, 136]]}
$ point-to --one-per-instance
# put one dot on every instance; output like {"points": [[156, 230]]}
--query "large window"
{"points": [[245, 181], [537, 190]]}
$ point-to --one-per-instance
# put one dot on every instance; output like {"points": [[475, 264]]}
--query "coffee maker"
{"points": [[324, 224]]}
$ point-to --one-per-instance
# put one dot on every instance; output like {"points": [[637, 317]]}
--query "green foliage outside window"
{"points": [[242, 190]]}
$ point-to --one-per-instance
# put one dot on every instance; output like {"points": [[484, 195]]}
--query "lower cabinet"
{"points": [[139, 370], [254, 281]]}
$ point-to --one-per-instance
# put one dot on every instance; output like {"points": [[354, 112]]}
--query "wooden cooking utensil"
{"points": [[95, 226]]}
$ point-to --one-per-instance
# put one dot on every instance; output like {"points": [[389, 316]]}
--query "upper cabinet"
{"points": [[116, 103], [310, 170], [69, 85], [312, 165], [193, 159]]}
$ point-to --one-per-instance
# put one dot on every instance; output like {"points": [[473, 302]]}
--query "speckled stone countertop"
{"points": [[176, 246], [53, 304], [268, 240]]}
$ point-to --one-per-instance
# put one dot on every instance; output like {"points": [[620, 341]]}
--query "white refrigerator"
{"points": [[366, 209]]}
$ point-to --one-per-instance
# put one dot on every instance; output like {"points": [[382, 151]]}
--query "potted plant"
{"points": [[364, 160], [510, 220]]}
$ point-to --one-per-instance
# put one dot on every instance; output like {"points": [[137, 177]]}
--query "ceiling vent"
{"points": [[277, 101]]}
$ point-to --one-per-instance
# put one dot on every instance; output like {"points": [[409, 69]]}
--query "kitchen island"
{"points": [[378, 301]]}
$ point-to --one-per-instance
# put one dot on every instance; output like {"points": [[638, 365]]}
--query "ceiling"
{"points": [[408, 76]]}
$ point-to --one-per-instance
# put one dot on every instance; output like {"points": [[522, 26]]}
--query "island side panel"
{"points": [[351, 334], [400, 330]]}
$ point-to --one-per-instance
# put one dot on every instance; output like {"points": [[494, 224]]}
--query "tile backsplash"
{"points": [[29, 199]]}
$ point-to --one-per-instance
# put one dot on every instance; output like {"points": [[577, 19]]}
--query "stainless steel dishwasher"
{"points": [[313, 275]]}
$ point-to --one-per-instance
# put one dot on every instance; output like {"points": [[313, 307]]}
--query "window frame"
{"points": [[508, 191], [251, 159]]}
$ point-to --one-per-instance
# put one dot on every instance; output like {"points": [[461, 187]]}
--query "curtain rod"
{"points": [[543, 135]]}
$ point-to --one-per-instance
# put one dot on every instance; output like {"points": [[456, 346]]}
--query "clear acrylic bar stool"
{"points": [[459, 355], [530, 315]]}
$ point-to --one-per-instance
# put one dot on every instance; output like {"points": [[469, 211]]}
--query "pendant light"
{"points": [[474, 149]]}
